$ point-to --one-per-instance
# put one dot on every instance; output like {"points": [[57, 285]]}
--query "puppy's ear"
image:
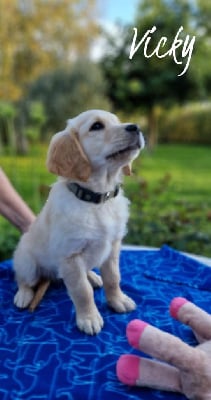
{"points": [[67, 158], [127, 170]]}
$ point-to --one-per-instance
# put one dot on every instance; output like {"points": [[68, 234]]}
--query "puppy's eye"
{"points": [[96, 126]]}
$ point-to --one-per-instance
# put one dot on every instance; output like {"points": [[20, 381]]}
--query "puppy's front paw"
{"points": [[23, 297], [122, 303], [90, 324]]}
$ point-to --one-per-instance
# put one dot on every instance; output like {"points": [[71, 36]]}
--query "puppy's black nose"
{"points": [[132, 128]]}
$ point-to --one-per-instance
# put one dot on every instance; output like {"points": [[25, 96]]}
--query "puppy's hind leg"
{"points": [[27, 276]]}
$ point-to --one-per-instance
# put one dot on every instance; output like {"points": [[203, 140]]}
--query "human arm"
{"points": [[12, 206]]}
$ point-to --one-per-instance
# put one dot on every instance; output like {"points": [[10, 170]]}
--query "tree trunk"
{"points": [[21, 142], [152, 128]]}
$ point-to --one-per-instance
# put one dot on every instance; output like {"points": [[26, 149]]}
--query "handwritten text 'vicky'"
{"points": [[187, 48]]}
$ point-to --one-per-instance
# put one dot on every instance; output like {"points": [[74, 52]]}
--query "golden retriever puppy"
{"points": [[84, 219]]}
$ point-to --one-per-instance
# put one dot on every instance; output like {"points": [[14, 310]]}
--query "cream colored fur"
{"points": [[71, 236]]}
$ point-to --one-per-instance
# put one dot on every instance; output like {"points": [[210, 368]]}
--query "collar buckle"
{"points": [[106, 196]]}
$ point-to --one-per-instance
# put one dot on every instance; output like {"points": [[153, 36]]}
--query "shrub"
{"points": [[9, 237], [189, 124], [181, 224], [36, 119]]}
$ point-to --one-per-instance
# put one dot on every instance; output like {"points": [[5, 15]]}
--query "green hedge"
{"points": [[189, 124]]}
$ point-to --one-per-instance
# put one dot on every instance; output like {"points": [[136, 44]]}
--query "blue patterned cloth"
{"points": [[44, 356]]}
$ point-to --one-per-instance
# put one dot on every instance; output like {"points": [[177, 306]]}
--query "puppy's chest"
{"points": [[109, 220]]}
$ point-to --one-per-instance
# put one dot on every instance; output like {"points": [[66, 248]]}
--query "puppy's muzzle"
{"points": [[137, 134], [134, 139]]}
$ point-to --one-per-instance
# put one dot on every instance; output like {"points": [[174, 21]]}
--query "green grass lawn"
{"points": [[28, 174], [170, 193], [187, 168]]}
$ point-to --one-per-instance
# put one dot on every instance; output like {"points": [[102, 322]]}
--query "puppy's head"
{"points": [[92, 140]]}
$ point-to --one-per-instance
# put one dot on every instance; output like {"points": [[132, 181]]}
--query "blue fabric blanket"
{"points": [[44, 356]]}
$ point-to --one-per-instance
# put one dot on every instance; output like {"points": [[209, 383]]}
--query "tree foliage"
{"points": [[66, 92], [147, 82], [40, 35]]}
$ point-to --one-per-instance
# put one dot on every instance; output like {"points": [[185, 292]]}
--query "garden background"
{"points": [[49, 73]]}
